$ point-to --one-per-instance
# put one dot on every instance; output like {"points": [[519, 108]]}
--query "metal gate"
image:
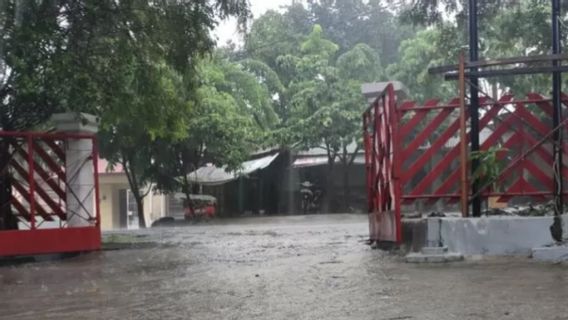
{"points": [[51, 209], [383, 184], [413, 154]]}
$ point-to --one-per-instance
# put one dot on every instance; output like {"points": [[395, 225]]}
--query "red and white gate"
{"points": [[43, 184], [383, 186], [413, 154]]}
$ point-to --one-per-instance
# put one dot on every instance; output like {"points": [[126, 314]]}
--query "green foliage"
{"points": [[507, 28], [490, 167], [417, 55], [229, 116], [350, 22]]}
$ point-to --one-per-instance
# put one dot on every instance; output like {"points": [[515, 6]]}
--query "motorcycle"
{"points": [[310, 197]]}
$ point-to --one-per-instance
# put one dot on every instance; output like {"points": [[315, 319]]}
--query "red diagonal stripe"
{"points": [[419, 115], [21, 209], [426, 132], [55, 148], [536, 172], [27, 196], [39, 170], [532, 121], [449, 157], [53, 165]]}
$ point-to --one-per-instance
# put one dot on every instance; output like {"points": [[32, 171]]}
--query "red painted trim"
{"points": [[31, 181], [44, 241], [48, 135], [95, 157]]}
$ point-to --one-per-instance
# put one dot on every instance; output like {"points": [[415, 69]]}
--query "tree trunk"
{"points": [[140, 209], [135, 189], [330, 188], [7, 220], [187, 190], [346, 189]]}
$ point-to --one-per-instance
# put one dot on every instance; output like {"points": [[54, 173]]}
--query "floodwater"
{"points": [[297, 267]]}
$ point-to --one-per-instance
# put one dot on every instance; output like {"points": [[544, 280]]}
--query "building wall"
{"points": [[109, 188], [105, 191]]}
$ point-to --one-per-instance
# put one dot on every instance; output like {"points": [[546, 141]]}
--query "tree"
{"points": [[230, 115], [172, 37], [507, 28], [350, 22], [116, 59], [326, 102], [417, 55], [427, 12], [147, 107]]}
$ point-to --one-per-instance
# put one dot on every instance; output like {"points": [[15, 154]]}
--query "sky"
{"points": [[227, 30]]}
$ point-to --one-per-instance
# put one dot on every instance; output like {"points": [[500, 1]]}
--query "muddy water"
{"points": [[313, 267]]}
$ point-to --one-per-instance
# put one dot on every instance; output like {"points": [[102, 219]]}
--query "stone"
{"points": [[434, 250], [551, 254], [433, 258]]}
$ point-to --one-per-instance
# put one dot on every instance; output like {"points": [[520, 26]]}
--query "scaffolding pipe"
{"points": [[556, 228], [474, 105]]}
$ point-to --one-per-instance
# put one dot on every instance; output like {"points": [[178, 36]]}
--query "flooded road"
{"points": [[302, 267]]}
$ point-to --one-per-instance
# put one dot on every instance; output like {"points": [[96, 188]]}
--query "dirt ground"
{"points": [[297, 267]]}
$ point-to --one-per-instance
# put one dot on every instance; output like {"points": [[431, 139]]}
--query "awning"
{"points": [[304, 162], [211, 175]]}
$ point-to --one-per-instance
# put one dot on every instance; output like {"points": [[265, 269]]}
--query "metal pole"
{"points": [[464, 192], [474, 104], [556, 228]]}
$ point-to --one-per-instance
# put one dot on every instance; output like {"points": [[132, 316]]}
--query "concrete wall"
{"points": [[105, 192], [491, 235], [109, 203], [153, 207]]}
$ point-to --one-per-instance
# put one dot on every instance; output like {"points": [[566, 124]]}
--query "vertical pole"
{"points": [[396, 164], [96, 177], [31, 180], [367, 160], [464, 190], [556, 119], [474, 104]]}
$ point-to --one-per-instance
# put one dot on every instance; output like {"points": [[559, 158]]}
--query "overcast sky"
{"points": [[228, 29]]}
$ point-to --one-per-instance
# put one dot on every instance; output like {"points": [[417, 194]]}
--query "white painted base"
{"points": [[433, 258], [550, 254], [492, 236]]}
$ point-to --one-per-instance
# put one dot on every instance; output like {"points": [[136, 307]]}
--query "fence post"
{"points": [[464, 190], [31, 180]]}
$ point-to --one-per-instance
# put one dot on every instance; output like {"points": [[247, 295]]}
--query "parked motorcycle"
{"points": [[310, 197]]}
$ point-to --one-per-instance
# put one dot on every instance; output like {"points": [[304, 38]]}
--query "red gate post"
{"points": [[31, 180]]}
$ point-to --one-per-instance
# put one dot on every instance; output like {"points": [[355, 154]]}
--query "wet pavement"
{"points": [[298, 267]]}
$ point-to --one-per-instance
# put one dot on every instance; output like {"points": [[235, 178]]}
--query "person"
{"points": [[307, 195]]}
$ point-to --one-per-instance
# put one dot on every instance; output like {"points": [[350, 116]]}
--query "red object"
{"points": [[381, 163], [39, 195], [412, 153]]}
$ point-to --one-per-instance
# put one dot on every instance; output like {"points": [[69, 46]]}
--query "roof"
{"points": [[103, 167], [372, 90], [212, 175], [319, 151], [312, 161]]}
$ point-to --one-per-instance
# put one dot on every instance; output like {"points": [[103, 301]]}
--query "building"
{"points": [[117, 205], [270, 183]]}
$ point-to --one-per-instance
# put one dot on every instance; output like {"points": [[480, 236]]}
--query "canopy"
{"points": [[304, 162], [199, 197], [211, 175]]}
